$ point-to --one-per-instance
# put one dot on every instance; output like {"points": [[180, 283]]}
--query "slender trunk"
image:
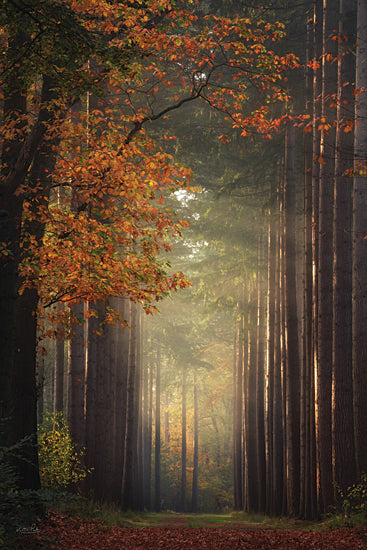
{"points": [[291, 325], [360, 246], [251, 447], [91, 416], [166, 420], [77, 378], [343, 422], [307, 396], [260, 379], [237, 421], [270, 355], [183, 441], [149, 441], [277, 426], [129, 478], [325, 264], [317, 47], [157, 448], [195, 474]]}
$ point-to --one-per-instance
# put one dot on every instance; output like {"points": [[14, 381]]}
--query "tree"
{"points": [[291, 326], [195, 475], [343, 422]]}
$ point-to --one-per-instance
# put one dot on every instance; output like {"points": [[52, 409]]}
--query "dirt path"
{"points": [[69, 533]]}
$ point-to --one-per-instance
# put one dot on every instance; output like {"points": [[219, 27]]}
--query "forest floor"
{"points": [[172, 531]]}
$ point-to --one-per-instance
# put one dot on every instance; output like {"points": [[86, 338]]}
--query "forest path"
{"points": [[71, 533]]}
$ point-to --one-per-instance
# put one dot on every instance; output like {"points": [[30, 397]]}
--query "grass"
{"points": [[112, 515]]}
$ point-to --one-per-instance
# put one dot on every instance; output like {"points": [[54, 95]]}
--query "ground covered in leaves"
{"points": [[70, 533]]}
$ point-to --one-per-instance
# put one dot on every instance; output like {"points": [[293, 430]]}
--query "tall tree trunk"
{"points": [[166, 420], [244, 346], [18, 393], [237, 419], [306, 363], [157, 448], [129, 477], [251, 447], [121, 373], [146, 435], [291, 325], [138, 414], [260, 378], [325, 265], [277, 426], [270, 347], [360, 245], [13, 107], [91, 414], [343, 422], [195, 474], [149, 441], [183, 441], [77, 378]]}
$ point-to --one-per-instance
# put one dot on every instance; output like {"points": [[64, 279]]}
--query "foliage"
{"points": [[60, 463], [105, 237], [351, 508], [19, 509]]}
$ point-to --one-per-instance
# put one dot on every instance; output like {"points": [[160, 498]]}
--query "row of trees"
{"points": [[299, 415]]}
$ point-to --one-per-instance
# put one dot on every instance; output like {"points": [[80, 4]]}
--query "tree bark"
{"points": [[157, 448], [291, 326], [237, 420], [260, 378], [77, 378], [183, 441], [195, 474], [325, 262], [129, 476], [251, 447], [343, 422], [360, 246]]}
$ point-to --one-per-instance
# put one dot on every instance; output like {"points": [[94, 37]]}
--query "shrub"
{"points": [[60, 464], [351, 508], [18, 508]]}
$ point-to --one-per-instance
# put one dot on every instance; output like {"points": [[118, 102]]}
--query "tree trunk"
{"points": [[360, 246], [291, 326], [157, 449], [183, 441], [277, 426], [59, 375], [325, 263], [129, 476], [14, 105], [343, 422], [77, 378], [121, 374], [91, 413], [237, 420], [251, 447], [270, 347], [195, 474], [260, 379]]}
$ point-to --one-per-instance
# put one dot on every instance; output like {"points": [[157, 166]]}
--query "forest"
{"points": [[183, 233]]}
